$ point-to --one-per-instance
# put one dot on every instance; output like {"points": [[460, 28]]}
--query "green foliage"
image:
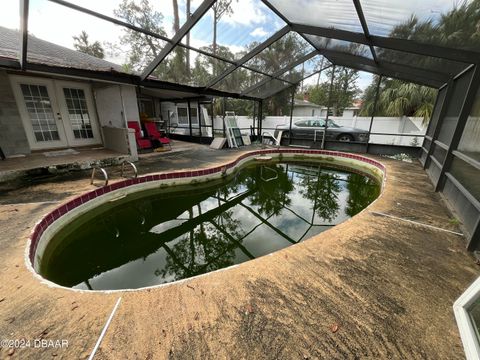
{"points": [[82, 44], [142, 48], [279, 54], [344, 90], [318, 94], [399, 98], [458, 28], [361, 192]]}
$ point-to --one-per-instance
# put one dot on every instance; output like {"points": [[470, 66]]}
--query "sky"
{"points": [[250, 20]]}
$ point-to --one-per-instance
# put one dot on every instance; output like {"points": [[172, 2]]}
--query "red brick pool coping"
{"points": [[55, 214]]}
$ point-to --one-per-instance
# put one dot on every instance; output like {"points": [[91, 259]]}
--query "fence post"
{"points": [[189, 118], [291, 118], [328, 107], [374, 110], [260, 115]]}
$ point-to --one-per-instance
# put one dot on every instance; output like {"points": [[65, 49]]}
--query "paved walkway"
{"points": [[372, 287]]}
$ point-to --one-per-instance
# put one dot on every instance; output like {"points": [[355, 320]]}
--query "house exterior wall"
{"points": [[115, 104], [13, 139], [306, 111]]}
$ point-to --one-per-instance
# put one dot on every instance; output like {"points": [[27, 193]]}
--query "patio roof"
{"points": [[367, 35]]}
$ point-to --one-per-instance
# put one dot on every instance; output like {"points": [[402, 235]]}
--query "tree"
{"points": [[220, 8], [82, 44], [344, 90], [361, 192], [176, 28], [399, 98], [142, 48], [458, 28], [188, 39], [176, 17], [322, 191]]}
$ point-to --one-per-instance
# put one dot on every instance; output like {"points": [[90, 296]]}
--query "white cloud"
{"points": [[235, 48], [246, 12], [10, 14], [258, 32]]}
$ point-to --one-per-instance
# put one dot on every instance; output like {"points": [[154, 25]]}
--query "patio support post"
{"points": [[462, 121], [199, 117], [224, 108], [292, 103], [23, 33], [475, 238], [260, 115], [328, 107], [189, 117], [441, 116], [213, 118], [252, 132], [374, 110]]}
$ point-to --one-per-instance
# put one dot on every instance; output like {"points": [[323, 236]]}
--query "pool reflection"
{"points": [[166, 237]]}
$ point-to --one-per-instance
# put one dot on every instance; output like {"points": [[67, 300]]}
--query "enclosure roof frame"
{"points": [[409, 72]]}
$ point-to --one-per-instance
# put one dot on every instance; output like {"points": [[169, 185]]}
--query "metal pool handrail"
{"points": [[135, 171], [104, 172]]}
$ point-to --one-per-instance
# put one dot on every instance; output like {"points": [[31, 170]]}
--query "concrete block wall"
{"points": [[13, 139]]}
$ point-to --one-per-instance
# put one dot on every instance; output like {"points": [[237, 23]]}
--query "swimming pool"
{"points": [[153, 235]]}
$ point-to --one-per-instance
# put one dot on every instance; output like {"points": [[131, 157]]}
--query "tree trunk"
{"points": [[214, 42], [320, 72], [176, 19], [188, 41], [215, 19]]}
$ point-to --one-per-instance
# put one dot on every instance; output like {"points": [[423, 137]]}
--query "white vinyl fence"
{"points": [[407, 131]]}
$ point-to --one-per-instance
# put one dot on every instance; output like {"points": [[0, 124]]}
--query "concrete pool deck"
{"points": [[371, 287]]}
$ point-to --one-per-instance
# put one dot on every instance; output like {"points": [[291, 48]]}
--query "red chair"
{"points": [[142, 143], [154, 134]]}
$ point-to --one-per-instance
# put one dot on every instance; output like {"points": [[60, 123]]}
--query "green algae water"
{"points": [[159, 236]]}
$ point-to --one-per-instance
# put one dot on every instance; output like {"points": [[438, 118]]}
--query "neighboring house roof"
{"points": [[47, 53], [298, 103]]}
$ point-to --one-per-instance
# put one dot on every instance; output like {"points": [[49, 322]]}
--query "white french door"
{"points": [[56, 113]]}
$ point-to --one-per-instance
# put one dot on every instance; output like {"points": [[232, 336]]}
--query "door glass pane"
{"points": [[467, 175], [454, 107], [39, 108], [470, 141], [193, 112], [78, 113], [474, 313]]}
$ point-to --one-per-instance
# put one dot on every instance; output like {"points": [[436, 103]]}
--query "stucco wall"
{"points": [[306, 111], [13, 139], [110, 108]]}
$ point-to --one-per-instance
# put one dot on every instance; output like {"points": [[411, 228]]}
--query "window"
{"points": [[468, 319], [78, 113], [470, 141], [302, 123], [182, 116], [39, 108], [193, 112]]}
